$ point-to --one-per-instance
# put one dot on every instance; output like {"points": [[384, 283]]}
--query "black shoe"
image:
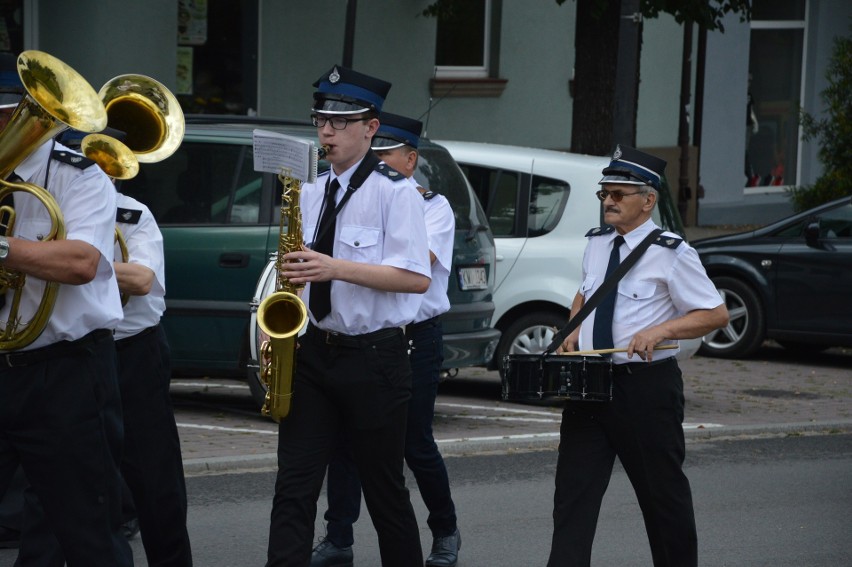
{"points": [[445, 551], [9, 538], [130, 528], [326, 554]]}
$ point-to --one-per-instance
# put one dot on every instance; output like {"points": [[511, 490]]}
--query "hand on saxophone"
{"points": [[307, 266]]}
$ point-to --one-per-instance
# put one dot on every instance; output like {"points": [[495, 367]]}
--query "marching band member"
{"points": [[666, 296], [396, 144], [365, 269], [57, 393]]}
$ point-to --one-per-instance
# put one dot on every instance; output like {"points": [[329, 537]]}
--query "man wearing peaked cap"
{"points": [[664, 297], [344, 91], [366, 266], [396, 143]]}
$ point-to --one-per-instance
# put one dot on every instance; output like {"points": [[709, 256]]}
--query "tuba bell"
{"points": [[56, 98], [147, 112]]}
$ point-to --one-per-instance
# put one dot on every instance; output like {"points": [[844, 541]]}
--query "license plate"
{"points": [[473, 277]]}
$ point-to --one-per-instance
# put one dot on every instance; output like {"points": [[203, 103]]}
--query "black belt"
{"points": [[353, 341], [633, 367], [414, 327], [56, 350], [127, 341]]}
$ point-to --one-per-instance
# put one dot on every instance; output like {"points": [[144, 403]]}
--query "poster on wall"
{"points": [[184, 70], [192, 22]]}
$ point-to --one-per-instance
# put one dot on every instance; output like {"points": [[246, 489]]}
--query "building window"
{"points": [[462, 46], [775, 92], [467, 49]]}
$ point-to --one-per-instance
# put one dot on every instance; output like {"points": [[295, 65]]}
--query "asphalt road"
{"points": [[775, 392]]}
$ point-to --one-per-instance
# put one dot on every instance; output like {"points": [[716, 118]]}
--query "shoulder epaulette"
{"points": [[668, 241], [324, 168], [72, 158], [600, 230], [389, 172], [429, 195], [128, 216]]}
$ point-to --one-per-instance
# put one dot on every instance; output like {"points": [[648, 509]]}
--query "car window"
{"points": [[437, 171], [498, 192], [836, 223], [201, 183], [547, 201]]}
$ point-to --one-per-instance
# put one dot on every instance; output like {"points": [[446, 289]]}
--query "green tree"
{"points": [[833, 133]]}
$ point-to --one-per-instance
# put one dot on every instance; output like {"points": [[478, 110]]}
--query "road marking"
{"points": [[228, 429]]}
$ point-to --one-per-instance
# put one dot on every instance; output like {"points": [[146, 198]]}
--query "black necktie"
{"points": [[602, 331], [320, 301]]}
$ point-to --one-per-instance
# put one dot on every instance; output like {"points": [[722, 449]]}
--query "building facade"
{"points": [[499, 72]]}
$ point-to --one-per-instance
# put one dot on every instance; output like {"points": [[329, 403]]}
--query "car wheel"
{"points": [[529, 334], [745, 330]]}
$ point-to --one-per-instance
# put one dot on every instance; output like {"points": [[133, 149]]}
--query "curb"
{"points": [[465, 448]]}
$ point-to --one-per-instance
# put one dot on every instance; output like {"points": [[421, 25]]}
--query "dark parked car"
{"points": [[789, 281], [220, 223]]}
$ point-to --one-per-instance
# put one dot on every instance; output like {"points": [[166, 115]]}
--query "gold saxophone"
{"points": [[282, 314], [56, 98]]}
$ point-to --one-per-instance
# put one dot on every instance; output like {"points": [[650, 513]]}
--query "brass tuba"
{"points": [[282, 314], [118, 162], [56, 98], [151, 117]]}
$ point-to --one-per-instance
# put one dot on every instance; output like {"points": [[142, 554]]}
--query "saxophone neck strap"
{"points": [[607, 286]]}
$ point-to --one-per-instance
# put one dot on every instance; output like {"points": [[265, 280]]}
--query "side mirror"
{"points": [[812, 234]]}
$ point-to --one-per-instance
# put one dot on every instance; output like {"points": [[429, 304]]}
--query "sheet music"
{"points": [[274, 152]]}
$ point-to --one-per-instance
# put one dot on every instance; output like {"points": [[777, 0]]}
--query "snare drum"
{"points": [[538, 377]]}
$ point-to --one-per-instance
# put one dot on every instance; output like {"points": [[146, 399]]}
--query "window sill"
{"points": [[467, 87]]}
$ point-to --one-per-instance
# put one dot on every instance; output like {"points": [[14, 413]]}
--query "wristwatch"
{"points": [[4, 249]]}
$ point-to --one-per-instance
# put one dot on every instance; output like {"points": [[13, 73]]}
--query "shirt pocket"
{"points": [[360, 244], [34, 230], [634, 297], [587, 286]]}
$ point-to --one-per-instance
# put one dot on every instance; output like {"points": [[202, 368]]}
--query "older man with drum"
{"points": [[664, 297]]}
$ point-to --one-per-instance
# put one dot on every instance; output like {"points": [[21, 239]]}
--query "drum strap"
{"points": [[608, 285]]}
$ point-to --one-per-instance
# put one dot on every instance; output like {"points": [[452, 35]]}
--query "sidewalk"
{"points": [[773, 393]]}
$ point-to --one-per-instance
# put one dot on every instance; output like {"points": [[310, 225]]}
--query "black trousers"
{"points": [[55, 421], [151, 462], [363, 388], [421, 452], [643, 427]]}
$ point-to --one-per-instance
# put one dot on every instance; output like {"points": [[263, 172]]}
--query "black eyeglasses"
{"points": [[337, 122], [617, 196]]}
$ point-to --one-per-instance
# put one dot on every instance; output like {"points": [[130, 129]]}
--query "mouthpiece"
{"points": [[322, 151]]}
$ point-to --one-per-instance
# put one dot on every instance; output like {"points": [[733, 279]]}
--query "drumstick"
{"points": [[608, 351]]}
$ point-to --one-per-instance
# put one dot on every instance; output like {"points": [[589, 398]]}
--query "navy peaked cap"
{"points": [[630, 166], [396, 131], [344, 91]]}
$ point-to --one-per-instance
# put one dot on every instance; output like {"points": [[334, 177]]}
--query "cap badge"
{"points": [[617, 153], [334, 76]]}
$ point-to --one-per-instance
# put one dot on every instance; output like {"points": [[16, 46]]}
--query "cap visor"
{"points": [[621, 179], [339, 107], [385, 143]]}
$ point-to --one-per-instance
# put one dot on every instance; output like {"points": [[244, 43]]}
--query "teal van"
{"points": [[220, 224]]}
